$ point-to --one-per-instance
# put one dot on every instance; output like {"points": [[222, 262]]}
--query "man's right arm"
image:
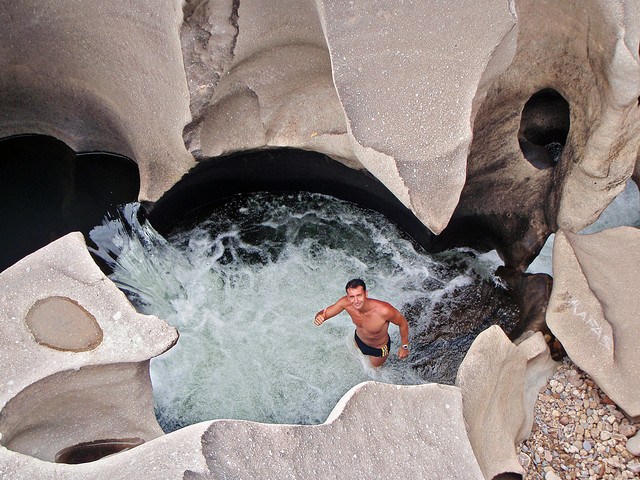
{"points": [[331, 311]]}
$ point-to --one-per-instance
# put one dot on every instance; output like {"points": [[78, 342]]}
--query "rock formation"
{"points": [[496, 123], [554, 139], [593, 308], [499, 383], [74, 356]]}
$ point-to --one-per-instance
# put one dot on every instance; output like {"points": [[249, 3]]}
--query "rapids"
{"points": [[242, 284]]}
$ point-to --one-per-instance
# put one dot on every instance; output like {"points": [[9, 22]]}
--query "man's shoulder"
{"points": [[382, 305], [343, 302]]}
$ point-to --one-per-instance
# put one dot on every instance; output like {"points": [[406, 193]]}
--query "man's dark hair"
{"points": [[355, 283]]}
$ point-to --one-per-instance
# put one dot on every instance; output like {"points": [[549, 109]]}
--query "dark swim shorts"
{"points": [[372, 351]]}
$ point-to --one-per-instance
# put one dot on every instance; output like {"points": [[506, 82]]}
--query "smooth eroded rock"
{"points": [[403, 431], [499, 381], [594, 306], [74, 355]]}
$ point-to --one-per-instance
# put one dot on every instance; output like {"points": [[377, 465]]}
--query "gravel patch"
{"points": [[578, 433]]}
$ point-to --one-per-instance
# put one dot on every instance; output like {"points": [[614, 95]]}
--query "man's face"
{"points": [[357, 297]]}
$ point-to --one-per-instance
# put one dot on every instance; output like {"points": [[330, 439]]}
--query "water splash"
{"points": [[242, 286]]}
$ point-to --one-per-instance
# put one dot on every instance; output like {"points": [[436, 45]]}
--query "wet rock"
{"points": [[531, 293], [60, 323], [457, 318]]}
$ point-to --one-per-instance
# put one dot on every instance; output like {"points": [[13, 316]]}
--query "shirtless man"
{"points": [[371, 318]]}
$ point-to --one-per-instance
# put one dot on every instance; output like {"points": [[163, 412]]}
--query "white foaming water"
{"points": [[243, 290], [623, 210]]}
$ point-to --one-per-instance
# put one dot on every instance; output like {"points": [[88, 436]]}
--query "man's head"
{"points": [[356, 293], [355, 283]]}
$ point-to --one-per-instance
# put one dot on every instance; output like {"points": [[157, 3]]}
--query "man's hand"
{"points": [[402, 353], [319, 320]]}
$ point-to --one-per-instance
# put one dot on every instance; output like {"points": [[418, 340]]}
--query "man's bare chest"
{"points": [[369, 322]]}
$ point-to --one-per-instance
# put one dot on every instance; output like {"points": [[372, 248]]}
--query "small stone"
{"points": [[633, 467], [586, 446], [564, 420], [605, 436], [628, 430], [633, 445], [607, 401], [547, 456], [551, 475], [618, 437], [525, 460]]}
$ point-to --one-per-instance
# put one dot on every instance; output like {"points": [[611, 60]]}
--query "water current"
{"points": [[242, 284]]}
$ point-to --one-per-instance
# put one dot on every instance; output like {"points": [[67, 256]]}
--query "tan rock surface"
{"points": [[52, 398], [499, 382], [408, 89], [60, 323], [594, 305], [415, 431], [104, 76]]}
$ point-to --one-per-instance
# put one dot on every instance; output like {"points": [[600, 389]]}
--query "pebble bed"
{"points": [[578, 433]]}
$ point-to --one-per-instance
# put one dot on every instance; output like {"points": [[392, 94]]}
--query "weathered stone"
{"points": [[100, 76], [592, 308], [60, 397], [533, 191], [415, 137], [500, 382], [377, 412], [633, 445]]}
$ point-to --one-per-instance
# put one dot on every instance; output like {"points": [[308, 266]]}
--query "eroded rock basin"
{"points": [[242, 280]]}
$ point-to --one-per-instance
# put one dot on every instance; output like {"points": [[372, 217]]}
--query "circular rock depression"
{"points": [[60, 323]]}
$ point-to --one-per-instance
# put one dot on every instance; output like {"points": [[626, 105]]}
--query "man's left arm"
{"points": [[398, 319]]}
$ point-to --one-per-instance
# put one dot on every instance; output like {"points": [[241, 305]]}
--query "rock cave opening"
{"points": [[47, 191], [245, 248], [544, 127]]}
